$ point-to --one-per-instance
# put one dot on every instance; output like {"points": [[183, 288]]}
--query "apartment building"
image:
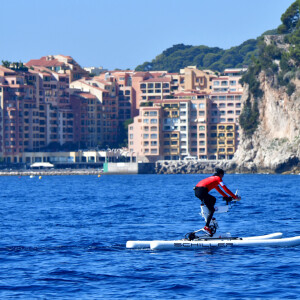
{"points": [[193, 79], [225, 109], [192, 113], [60, 64], [201, 122], [126, 101], [171, 129], [103, 113]]}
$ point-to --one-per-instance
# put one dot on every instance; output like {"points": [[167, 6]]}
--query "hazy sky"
{"points": [[125, 33]]}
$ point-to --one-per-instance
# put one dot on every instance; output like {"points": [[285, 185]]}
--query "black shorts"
{"points": [[205, 197]]}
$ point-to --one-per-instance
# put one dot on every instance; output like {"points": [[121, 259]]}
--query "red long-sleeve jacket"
{"points": [[213, 182]]}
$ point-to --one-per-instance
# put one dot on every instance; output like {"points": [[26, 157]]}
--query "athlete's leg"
{"points": [[210, 202]]}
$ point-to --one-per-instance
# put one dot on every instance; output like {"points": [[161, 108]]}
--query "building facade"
{"points": [[52, 102], [202, 123]]}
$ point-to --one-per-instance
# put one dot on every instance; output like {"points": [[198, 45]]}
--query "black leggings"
{"points": [[209, 201]]}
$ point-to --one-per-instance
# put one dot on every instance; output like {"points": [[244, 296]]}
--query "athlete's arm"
{"points": [[221, 192], [227, 190]]}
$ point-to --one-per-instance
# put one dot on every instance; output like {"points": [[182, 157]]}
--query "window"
{"points": [[153, 136], [153, 143], [153, 113], [201, 128], [131, 136], [146, 136], [146, 121], [201, 105], [153, 121]]}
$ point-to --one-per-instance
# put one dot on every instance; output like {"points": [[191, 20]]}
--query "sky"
{"points": [[125, 33]]}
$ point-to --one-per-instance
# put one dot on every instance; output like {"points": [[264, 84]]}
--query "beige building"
{"points": [[202, 122], [193, 79]]}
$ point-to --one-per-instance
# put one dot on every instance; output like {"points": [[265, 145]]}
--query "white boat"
{"points": [[224, 242], [207, 240]]}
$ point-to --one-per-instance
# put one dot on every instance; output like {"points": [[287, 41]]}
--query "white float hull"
{"points": [[183, 245], [205, 242]]}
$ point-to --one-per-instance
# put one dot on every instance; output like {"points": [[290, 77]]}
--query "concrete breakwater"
{"points": [[229, 166], [191, 167], [161, 167]]}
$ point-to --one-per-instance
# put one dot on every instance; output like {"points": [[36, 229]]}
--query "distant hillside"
{"points": [[179, 56]]}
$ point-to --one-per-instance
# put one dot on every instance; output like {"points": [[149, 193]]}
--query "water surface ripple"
{"points": [[64, 238]]}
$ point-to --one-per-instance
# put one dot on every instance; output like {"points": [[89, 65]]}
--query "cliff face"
{"points": [[275, 145]]}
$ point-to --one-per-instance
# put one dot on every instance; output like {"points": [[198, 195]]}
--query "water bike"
{"points": [[201, 239], [213, 226]]}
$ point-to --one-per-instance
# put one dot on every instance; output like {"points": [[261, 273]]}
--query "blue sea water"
{"points": [[63, 237]]}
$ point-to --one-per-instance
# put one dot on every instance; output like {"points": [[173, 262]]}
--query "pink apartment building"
{"points": [[202, 124]]}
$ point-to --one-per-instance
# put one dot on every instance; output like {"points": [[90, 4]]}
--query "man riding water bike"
{"points": [[204, 186]]}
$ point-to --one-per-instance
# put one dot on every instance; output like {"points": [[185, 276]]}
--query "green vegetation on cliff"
{"points": [[180, 56], [279, 58]]}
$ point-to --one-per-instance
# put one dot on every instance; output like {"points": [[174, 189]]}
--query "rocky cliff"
{"points": [[275, 145], [273, 148]]}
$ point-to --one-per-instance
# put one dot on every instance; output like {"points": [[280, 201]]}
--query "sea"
{"points": [[64, 237]]}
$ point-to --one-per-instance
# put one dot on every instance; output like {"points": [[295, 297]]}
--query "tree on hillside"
{"points": [[290, 19], [180, 56]]}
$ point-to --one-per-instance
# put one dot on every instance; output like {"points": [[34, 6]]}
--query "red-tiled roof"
{"points": [[44, 62], [6, 70], [139, 74], [87, 95]]}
